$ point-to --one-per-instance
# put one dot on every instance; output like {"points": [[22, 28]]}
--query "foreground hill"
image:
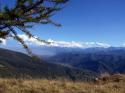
{"points": [[15, 64], [58, 86]]}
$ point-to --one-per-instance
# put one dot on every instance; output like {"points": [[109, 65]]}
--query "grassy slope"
{"points": [[59, 86]]}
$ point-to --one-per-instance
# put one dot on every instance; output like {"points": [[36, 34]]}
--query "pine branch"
{"points": [[27, 12]]}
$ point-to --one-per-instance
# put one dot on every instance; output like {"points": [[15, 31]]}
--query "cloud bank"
{"points": [[54, 43], [72, 44]]}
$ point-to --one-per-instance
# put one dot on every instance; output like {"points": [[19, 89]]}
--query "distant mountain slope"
{"points": [[15, 64], [99, 60]]}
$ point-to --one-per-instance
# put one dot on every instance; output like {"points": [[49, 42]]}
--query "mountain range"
{"points": [[64, 59], [100, 60], [16, 64]]}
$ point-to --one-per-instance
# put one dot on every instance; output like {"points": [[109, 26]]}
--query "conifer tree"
{"points": [[25, 14]]}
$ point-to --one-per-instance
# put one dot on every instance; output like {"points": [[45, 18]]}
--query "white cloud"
{"points": [[72, 44], [30, 41], [64, 43], [123, 45], [3, 41]]}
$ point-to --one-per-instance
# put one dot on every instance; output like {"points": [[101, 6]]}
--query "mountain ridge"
{"points": [[15, 64], [101, 60]]}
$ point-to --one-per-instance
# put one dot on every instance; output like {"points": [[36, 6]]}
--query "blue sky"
{"points": [[87, 21]]}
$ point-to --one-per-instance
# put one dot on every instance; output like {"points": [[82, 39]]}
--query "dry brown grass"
{"points": [[59, 86]]}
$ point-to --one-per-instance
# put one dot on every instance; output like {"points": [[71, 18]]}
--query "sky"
{"points": [[86, 21]]}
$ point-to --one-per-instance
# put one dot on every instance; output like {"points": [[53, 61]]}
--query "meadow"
{"points": [[59, 86]]}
